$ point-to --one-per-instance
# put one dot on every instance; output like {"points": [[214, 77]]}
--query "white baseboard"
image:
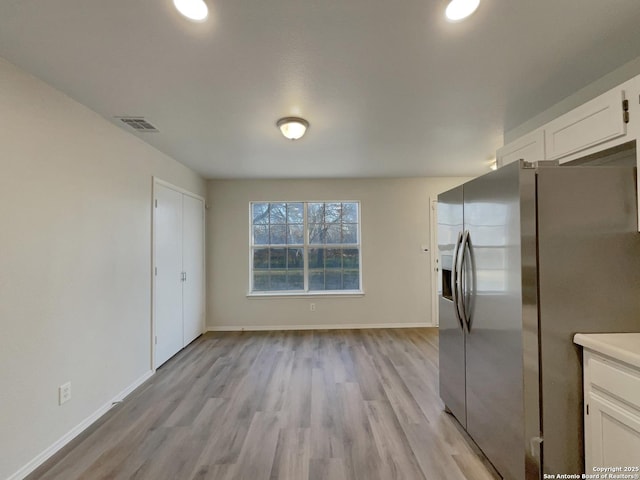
{"points": [[78, 429], [340, 326], [125, 393]]}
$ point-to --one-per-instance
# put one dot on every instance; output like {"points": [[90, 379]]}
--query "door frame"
{"points": [[155, 183], [434, 257]]}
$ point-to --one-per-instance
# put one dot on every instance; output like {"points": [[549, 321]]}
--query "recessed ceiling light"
{"points": [[195, 10], [460, 9], [292, 128]]}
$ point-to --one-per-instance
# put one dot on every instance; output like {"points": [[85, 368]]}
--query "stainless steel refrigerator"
{"points": [[529, 255]]}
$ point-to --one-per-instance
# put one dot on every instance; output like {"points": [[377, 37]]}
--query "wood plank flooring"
{"points": [[316, 405]]}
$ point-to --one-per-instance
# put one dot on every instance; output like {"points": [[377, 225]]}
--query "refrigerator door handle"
{"points": [[464, 248], [455, 278]]}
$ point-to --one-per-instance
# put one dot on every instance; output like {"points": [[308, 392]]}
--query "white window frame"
{"points": [[306, 246]]}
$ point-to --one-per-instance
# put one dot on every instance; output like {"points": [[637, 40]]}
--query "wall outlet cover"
{"points": [[64, 393]]}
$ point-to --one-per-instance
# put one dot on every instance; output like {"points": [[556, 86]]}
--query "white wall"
{"points": [[75, 256], [396, 273]]}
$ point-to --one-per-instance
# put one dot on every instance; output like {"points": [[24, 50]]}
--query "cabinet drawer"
{"points": [[618, 380]]}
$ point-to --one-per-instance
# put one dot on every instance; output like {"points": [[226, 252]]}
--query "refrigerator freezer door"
{"points": [[494, 344], [451, 342]]}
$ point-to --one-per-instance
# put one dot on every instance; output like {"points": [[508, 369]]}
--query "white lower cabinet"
{"points": [[611, 410], [614, 439]]}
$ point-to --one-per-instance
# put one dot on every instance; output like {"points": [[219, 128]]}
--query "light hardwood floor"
{"points": [[321, 405]]}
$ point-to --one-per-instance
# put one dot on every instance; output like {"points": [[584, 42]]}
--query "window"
{"points": [[305, 247]]}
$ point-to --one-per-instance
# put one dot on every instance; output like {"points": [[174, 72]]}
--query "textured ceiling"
{"points": [[390, 88]]}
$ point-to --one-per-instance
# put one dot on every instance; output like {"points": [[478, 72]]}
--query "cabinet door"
{"points": [[614, 434], [193, 266], [168, 262], [595, 122], [529, 147]]}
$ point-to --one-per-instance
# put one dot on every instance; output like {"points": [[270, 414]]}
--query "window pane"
{"points": [[316, 280], [316, 258], [334, 234], [278, 213], [333, 279], [350, 233], [333, 258], [295, 213], [295, 235], [295, 280], [350, 212], [334, 269], [351, 280], [278, 280], [260, 258], [332, 212], [260, 234], [261, 281], [278, 234], [350, 258], [260, 213], [277, 258], [315, 213], [295, 258]]}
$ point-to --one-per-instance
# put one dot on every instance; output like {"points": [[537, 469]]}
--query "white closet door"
{"points": [[168, 261], [193, 266]]}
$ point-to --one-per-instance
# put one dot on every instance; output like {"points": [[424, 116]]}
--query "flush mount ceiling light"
{"points": [[195, 10], [460, 9], [292, 128]]}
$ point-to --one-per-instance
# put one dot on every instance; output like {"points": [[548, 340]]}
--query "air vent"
{"points": [[139, 124]]}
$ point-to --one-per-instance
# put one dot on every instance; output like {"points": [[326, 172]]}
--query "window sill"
{"points": [[333, 293]]}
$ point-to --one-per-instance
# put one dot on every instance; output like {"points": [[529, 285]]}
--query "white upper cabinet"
{"points": [[596, 122], [606, 121], [529, 147]]}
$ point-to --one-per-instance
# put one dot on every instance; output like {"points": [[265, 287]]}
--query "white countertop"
{"points": [[621, 346]]}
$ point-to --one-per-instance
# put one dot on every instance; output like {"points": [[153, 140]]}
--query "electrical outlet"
{"points": [[64, 393], [312, 307]]}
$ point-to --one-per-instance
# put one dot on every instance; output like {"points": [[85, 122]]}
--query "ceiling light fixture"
{"points": [[460, 9], [292, 128], [195, 10]]}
